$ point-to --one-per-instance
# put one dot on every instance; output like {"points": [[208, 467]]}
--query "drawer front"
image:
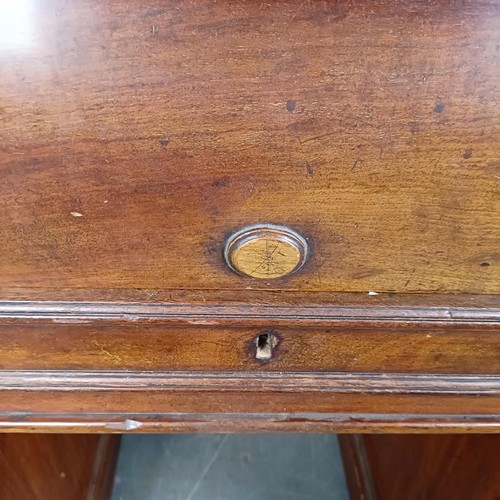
{"points": [[138, 136], [372, 363], [168, 348]]}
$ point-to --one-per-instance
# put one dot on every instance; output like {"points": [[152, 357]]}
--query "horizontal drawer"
{"points": [[346, 363], [52, 346]]}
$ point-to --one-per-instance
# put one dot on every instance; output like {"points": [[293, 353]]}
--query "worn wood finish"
{"points": [[127, 401], [52, 467], [370, 334], [143, 346], [136, 136], [392, 467], [269, 303], [356, 383], [245, 422], [134, 142], [177, 366]]}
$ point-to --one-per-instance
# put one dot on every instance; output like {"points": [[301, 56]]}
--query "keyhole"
{"points": [[265, 344]]}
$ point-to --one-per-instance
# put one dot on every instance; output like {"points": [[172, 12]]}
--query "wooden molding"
{"points": [[368, 312], [185, 362], [130, 401], [130, 380], [123, 422]]}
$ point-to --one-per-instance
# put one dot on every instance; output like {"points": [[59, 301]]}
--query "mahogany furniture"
{"points": [[57, 466], [422, 467], [140, 138]]}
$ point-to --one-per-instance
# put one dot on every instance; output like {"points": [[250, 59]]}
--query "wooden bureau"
{"points": [[245, 216]]}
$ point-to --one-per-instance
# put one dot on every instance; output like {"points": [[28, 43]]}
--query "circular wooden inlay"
{"points": [[265, 251]]}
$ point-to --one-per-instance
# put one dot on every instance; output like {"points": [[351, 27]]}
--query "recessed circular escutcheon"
{"points": [[265, 251]]}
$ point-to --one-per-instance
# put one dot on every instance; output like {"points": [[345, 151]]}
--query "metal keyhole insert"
{"points": [[265, 343]]}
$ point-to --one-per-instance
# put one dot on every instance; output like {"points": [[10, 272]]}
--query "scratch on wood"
{"points": [[316, 138], [70, 320], [127, 425]]}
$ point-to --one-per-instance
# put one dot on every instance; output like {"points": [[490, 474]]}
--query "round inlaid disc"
{"points": [[265, 251]]}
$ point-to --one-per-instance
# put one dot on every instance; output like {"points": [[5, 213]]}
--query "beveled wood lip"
{"points": [[247, 422], [337, 382], [248, 296], [213, 314]]}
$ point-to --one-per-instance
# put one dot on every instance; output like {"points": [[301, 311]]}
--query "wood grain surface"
{"points": [[187, 361], [406, 334], [137, 135], [57, 467], [195, 407], [392, 467], [73, 346]]}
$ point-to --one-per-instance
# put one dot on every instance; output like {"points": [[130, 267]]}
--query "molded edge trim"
{"points": [[215, 314], [247, 422], [131, 380]]}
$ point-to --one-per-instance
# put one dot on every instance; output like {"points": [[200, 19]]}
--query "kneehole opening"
{"points": [[265, 344]]}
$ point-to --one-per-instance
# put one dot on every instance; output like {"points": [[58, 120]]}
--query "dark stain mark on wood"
{"points": [[439, 108], [485, 264], [221, 182], [326, 14], [165, 141], [290, 105], [468, 153]]}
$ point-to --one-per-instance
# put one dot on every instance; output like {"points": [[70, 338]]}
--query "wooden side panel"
{"points": [[137, 135], [460, 467], [54, 466], [356, 467]]}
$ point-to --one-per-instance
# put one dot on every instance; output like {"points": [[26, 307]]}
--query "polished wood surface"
{"points": [[42, 346], [392, 467], [189, 361], [217, 331], [356, 467], [137, 135], [57, 467], [237, 402]]}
